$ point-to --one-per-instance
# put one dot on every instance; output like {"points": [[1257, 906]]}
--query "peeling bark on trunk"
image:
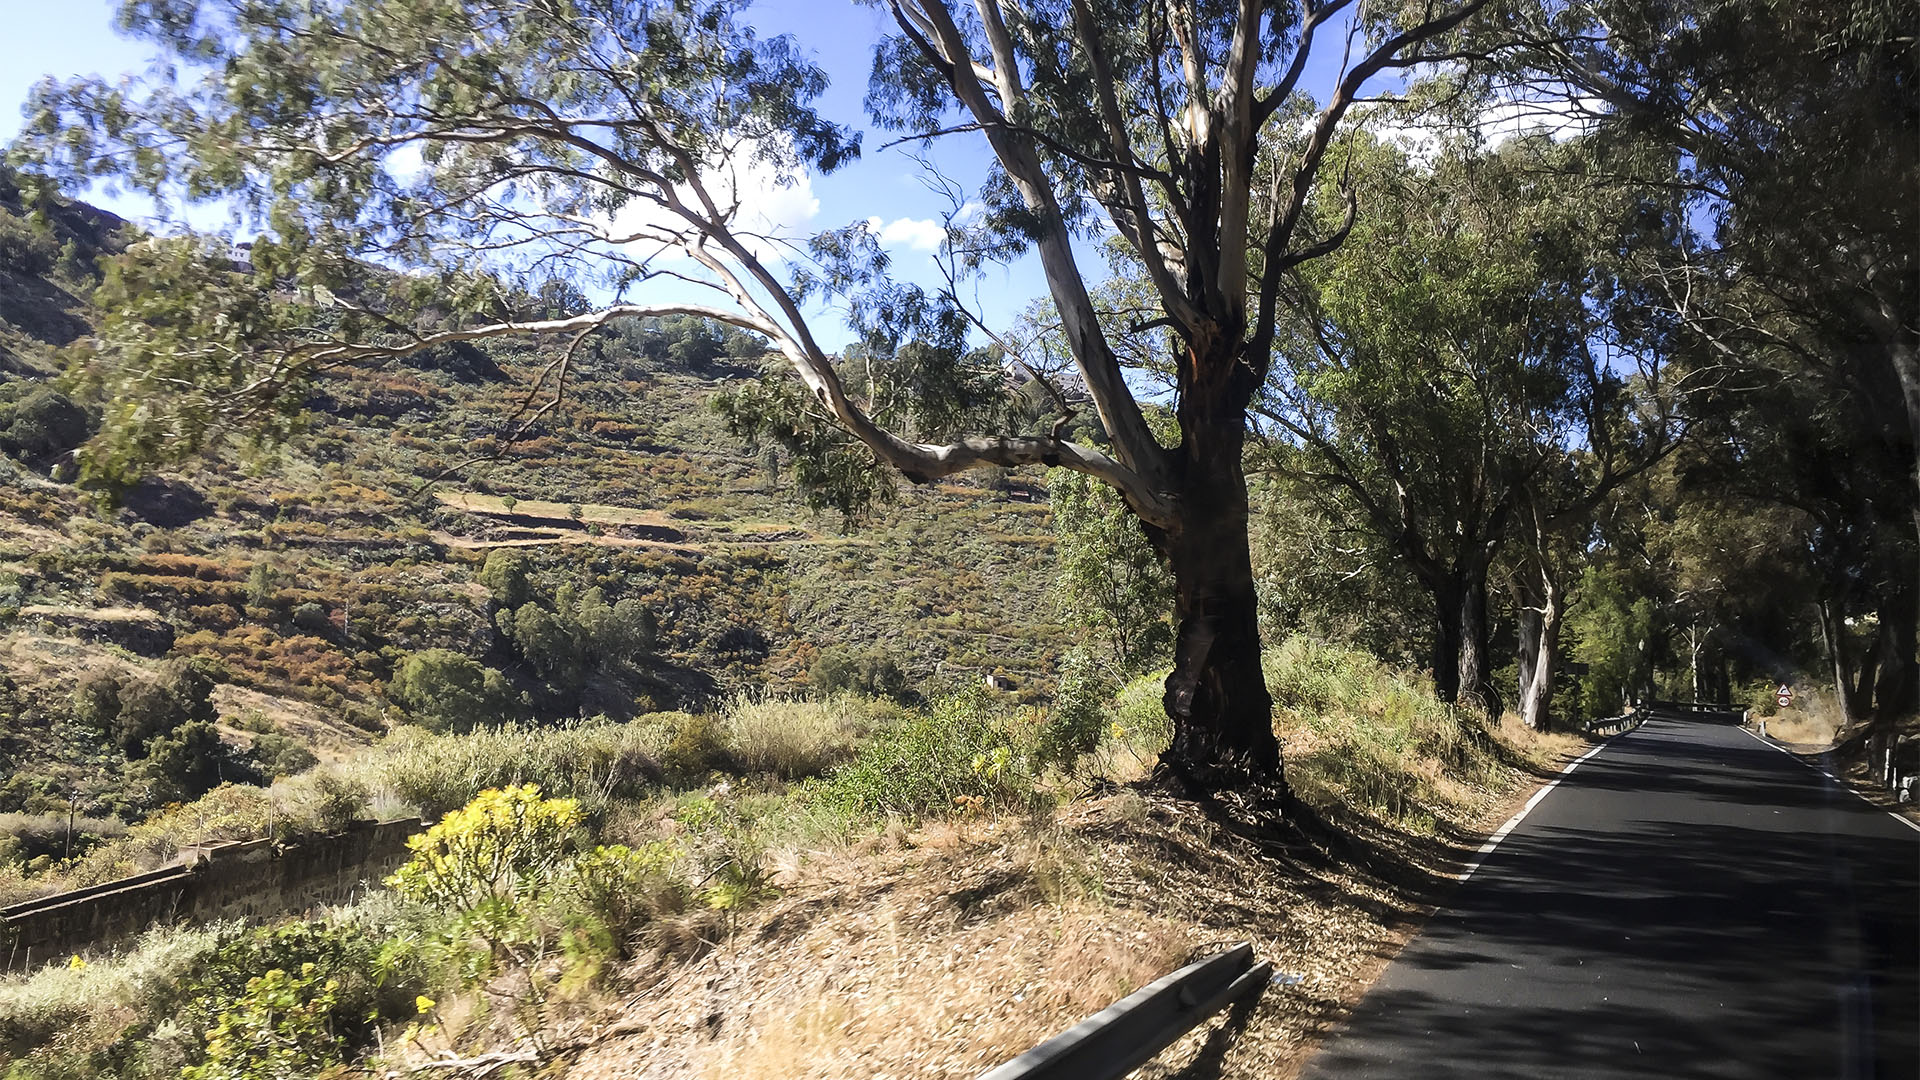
{"points": [[1696, 646], [1216, 694], [1833, 633], [1539, 617], [1476, 659], [1462, 662]]}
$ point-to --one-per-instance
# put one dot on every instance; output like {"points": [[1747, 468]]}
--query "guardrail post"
{"points": [[1125, 1035]]}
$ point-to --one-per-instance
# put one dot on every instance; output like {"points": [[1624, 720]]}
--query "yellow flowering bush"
{"points": [[508, 844], [282, 1026]]}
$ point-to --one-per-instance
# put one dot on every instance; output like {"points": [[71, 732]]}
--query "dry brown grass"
{"points": [[1812, 722], [558, 511], [320, 729], [958, 946], [944, 951], [1540, 748]]}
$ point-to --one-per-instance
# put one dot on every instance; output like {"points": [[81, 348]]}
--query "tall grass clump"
{"points": [[595, 763], [960, 753], [68, 1011], [794, 738], [1361, 734]]}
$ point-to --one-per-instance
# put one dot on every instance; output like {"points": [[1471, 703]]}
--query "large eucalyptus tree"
{"points": [[1470, 367], [461, 139], [1797, 131]]}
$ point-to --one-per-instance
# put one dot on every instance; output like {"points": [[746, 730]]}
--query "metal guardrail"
{"points": [[1612, 725], [1125, 1035]]}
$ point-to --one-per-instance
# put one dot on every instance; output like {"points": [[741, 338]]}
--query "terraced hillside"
{"points": [[301, 579]]}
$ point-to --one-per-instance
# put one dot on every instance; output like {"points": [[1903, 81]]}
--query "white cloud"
{"points": [[1559, 119], [405, 163], [774, 204], [918, 234]]}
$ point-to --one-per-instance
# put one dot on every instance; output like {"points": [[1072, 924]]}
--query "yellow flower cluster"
{"points": [[506, 843]]}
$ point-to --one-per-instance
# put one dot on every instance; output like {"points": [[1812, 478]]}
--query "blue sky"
{"points": [[76, 37]]}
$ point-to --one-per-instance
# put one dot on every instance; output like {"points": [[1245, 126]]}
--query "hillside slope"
{"points": [[303, 578]]}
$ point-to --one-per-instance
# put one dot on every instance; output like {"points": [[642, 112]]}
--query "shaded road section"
{"points": [[1689, 902]]}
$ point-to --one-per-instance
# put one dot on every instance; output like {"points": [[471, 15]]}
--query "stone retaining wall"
{"points": [[225, 880]]}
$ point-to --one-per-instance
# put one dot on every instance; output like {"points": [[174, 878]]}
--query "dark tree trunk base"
{"points": [[1216, 695], [1257, 806]]}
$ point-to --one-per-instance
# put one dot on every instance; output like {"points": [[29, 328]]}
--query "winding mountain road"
{"points": [[1689, 902]]}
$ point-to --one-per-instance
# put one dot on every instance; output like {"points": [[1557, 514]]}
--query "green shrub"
{"points": [[150, 708], [508, 845], [42, 424], [281, 1026], [1759, 697], [312, 618], [1079, 715], [872, 672], [624, 888], [446, 691], [184, 763], [1140, 715], [698, 747], [25, 249], [324, 801], [505, 577], [544, 640], [228, 812], [929, 762], [291, 1000], [96, 701], [276, 755]]}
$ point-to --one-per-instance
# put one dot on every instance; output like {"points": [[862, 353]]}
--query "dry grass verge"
{"points": [[971, 941], [1813, 723], [944, 951]]}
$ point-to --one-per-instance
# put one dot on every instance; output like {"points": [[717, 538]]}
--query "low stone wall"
{"points": [[231, 879]]}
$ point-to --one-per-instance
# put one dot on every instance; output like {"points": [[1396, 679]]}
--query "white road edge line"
{"points": [[1844, 786], [1486, 849]]}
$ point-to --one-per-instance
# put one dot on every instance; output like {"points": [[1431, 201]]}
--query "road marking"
{"points": [[1901, 818], [1486, 849]]}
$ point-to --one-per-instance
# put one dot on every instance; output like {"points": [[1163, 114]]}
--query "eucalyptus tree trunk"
{"points": [[1905, 359], [1216, 694], [1696, 642], [1833, 633], [1540, 609], [1462, 661], [1896, 689], [1476, 653]]}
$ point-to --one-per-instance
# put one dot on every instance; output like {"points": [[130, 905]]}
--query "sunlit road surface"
{"points": [[1690, 902]]}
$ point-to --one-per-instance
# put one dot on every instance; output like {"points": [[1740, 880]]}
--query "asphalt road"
{"points": [[1689, 902]]}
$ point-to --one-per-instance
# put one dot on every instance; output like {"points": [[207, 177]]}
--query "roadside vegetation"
{"points": [[740, 684], [570, 868]]}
